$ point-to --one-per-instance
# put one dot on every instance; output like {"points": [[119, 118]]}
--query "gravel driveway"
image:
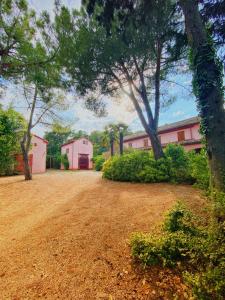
{"points": [[64, 235]]}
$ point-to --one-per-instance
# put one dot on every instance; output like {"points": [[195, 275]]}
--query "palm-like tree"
{"points": [[109, 137], [122, 129], [114, 133]]}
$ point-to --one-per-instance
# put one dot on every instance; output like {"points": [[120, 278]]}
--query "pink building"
{"points": [[37, 156], [185, 133], [80, 154]]}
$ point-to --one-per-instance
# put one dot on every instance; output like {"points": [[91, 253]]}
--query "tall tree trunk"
{"points": [[111, 144], [157, 84], [25, 143], [156, 145], [149, 127], [121, 142], [209, 91]]}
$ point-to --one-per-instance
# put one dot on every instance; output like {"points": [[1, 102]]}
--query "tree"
{"points": [[41, 78], [56, 138], [97, 139], [80, 133], [208, 87], [15, 35], [122, 129], [206, 66], [213, 13], [113, 135], [132, 60], [12, 125], [43, 103], [110, 136], [19, 28]]}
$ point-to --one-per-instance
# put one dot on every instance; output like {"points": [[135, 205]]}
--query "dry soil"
{"points": [[65, 235]]}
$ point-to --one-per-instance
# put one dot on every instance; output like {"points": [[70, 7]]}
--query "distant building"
{"points": [[185, 133], [37, 156], [79, 153]]}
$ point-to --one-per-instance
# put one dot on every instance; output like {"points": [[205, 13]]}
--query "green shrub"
{"points": [[166, 249], [208, 284], [156, 171], [200, 250], [137, 166], [199, 168], [180, 169], [218, 199], [98, 162], [176, 166], [65, 161], [140, 166], [127, 167], [173, 245], [180, 219]]}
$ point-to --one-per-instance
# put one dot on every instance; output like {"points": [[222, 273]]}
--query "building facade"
{"points": [[185, 133], [79, 153], [37, 156]]}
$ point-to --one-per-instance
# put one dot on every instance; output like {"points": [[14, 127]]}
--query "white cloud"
{"points": [[178, 113], [117, 111]]}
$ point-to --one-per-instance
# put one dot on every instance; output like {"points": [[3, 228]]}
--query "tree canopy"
{"points": [[130, 61], [12, 125]]}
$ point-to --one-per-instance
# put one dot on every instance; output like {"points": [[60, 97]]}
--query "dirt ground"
{"points": [[65, 235]]}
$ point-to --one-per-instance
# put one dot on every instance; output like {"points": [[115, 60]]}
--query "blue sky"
{"points": [[118, 110]]}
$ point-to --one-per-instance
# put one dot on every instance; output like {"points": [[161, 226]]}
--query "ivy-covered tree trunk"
{"points": [[207, 83]]}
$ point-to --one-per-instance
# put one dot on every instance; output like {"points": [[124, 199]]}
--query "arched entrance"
{"points": [[83, 162]]}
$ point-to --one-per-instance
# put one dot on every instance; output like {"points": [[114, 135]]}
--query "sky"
{"points": [[80, 118]]}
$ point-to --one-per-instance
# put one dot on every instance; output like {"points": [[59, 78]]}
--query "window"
{"points": [[160, 139], [85, 142], [145, 143], [67, 150], [35, 144], [181, 136], [130, 145]]}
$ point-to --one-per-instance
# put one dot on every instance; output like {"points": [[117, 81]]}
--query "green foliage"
{"points": [[182, 243], [100, 145], [180, 163], [98, 162], [128, 166], [179, 219], [80, 133], [199, 168], [140, 166], [219, 206], [12, 125], [165, 249], [65, 161], [56, 138], [104, 63], [176, 166], [17, 30]]}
